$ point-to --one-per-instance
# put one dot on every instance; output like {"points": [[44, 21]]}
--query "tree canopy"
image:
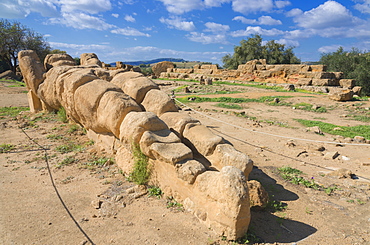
{"points": [[15, 37], [354, 64], [252, 48]]}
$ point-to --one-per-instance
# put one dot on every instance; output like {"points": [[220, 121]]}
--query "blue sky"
{"points": [[204, 30]]}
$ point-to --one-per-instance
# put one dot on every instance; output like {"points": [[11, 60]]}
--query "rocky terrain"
{"points": [[112, 210]]}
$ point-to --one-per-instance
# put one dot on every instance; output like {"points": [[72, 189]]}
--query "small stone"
{"points": [[96, 204], [331, 155], [341, 173], [359, 139], [315, 129], [345, 158]]}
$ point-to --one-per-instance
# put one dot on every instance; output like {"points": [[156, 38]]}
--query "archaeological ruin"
{"points": [[120, 108]]}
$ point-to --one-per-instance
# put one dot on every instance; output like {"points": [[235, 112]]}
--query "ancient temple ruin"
{"points": [[121, 108]]}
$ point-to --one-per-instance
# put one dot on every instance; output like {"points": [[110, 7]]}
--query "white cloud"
{"points": [[252, 30], [129, 18], [20, 9], [268, 20], [294, 12], [263, 20], [129, 2], [128, 31], [282, 4], [78, 46], [81, 21], [89, 6], [215, 3], [215, 27], [178, 23], [288, 42], [207, 39], [329, 14], [115, 15], [329, 49], [363, 7], [245, 20], [252, 6], [182, 6], [297, 34]]}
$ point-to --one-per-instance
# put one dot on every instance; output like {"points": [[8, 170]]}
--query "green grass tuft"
{"points": [[361, 130], [141, 172], [229, 106]]}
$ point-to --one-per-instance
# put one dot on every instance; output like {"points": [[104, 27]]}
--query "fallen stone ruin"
{"points": [[120, 108], [308, 77]]}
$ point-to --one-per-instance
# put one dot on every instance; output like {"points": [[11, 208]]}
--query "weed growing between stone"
{"points": [[4, 148], [66, 161], [141, 172], [154, 191], [69, 148], [172, 203], [11, 111], [62, 114], [293, 176]]}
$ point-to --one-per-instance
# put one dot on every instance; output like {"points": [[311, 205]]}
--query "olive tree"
{"points": [[15, 37], [252, 48]]}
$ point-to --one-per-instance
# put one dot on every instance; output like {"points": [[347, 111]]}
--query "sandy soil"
{"points": [[110, 210]]}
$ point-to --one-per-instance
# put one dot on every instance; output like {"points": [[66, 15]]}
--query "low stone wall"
{"points": [[299, 75], [121, 108]]}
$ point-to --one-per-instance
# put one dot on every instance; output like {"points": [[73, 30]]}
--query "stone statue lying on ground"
{"points": [[121, 108]]}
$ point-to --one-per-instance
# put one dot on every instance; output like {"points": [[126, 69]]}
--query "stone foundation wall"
{"points": [[299, 75]]}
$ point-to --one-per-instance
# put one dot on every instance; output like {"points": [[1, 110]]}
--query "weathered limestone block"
{"points": [[177, 121], [341, 95], [123, 76], [357, 90], [162, 67], [304, 81], [318, 68], [338, 75], [189, 170], [227, 155], [34, 102], [87, 98], [158, 102], [103, 74], [258, 196], [201, 139], [32, 69], [136, 87], [66, 86], [50, 91], [347, 83], [161, 136], [247, 68], [52, 60], [260, 67], [136, 123], [212, 67], [107, 142], [171, 153], [124, 159], [324, 75], [113, 108], [90, 59], [323, 82], [227, 205]]}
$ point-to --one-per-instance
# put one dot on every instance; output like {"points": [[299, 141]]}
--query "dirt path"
{"points": [[31, 212]]}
